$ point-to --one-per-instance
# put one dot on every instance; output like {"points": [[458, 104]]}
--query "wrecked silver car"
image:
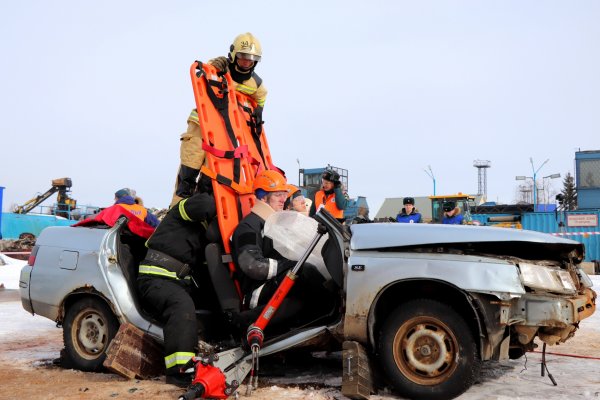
{"points": [[429, 303]]}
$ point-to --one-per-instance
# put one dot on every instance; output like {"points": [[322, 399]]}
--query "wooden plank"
{"points": [[133, 353]]}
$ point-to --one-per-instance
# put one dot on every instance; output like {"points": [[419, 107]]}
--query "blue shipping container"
{"points": [[13, 225]]}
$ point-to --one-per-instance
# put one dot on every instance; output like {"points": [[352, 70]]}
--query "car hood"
{"points": [[387, 235]]}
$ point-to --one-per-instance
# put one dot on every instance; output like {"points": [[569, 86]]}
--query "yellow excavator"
{"points": [[64, 203]]}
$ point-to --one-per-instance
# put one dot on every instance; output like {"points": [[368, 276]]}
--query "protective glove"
{"points": [[220, 63], [257, 115], [258, 111]]}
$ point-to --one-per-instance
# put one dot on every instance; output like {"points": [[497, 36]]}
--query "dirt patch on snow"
{"points": [[27, 370]]}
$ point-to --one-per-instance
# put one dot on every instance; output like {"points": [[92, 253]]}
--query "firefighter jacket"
{"points": [[180, 238], [413, 218], [334, 201], [129, 203], [250, 84], [254, 255]]}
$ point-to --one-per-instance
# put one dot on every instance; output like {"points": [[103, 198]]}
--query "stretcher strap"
{"points": [[226, 181], [256, 132], [222, 106], [239, 152]]}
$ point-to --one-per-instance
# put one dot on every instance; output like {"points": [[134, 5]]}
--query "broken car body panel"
{"points": [[484, 265]]}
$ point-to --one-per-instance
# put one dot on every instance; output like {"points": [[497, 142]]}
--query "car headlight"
{"points": [[546, 278], [584, 278]]}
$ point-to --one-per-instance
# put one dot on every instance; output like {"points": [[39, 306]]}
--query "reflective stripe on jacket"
{"points": [[181, 235], [158, 271]]}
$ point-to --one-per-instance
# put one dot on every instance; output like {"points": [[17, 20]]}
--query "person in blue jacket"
{"points": [[452, 213], [409, 213]]}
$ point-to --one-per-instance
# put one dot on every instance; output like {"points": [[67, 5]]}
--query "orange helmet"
{"points": [[270, 181], [291, 190]]}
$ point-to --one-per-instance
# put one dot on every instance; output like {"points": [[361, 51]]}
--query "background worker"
{"points": [[244, 53], [362, 216], [175, 250], [295, 200], [262, 267], [452, 214], [127, 199], [409, 213], [330, 196]]}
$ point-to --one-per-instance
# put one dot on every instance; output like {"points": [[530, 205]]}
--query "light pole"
{"points": [[535, 171], [553, 176], [429, 173]]}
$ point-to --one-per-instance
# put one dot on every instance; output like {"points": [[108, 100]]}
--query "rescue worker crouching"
{"points": [[244, 53], [330, 196], [263, 268], [176, 248]]}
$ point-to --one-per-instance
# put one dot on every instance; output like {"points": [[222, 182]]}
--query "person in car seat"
{"points": [[176, 248], [452, 213], [295, 201], [244, 54], [262, 267]]}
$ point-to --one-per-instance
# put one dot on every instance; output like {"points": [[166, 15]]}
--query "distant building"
{"points": [[587, 182]]}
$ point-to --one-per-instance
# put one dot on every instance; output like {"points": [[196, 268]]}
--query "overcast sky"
{"points": [[100, 91]]}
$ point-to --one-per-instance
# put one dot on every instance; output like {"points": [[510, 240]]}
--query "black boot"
{"points": [[179, 380]]}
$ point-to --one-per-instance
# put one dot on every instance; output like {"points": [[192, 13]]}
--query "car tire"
{"points": [[88, 328], [427, 351]]}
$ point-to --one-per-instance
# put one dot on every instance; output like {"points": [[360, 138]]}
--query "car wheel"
{"points": [[88, 328], [427, 351]]}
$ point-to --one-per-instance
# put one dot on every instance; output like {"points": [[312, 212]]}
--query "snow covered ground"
{"points": [[10, 270], [575, 367]]}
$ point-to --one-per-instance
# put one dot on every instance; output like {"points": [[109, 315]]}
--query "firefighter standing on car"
{"points": [[174, 249], [330, 196], [244, 53]]}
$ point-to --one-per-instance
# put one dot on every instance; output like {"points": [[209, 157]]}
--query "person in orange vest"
{"points": [[126, 198], [330, 196], [244, 54]]}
